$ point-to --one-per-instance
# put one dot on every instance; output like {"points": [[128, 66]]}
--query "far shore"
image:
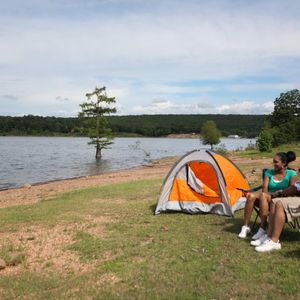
{"points": [[172, 135]]}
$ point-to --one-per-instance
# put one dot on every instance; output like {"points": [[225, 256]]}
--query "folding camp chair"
{"points": [[256, 205], [294, 224]]}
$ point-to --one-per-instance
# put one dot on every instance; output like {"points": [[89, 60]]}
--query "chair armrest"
{"points": [[251, 190]]}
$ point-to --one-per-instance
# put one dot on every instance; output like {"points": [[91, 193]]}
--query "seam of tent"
{"points": [[171, 170]]}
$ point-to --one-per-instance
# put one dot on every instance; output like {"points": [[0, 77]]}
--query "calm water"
{"points": [[40, 159]]}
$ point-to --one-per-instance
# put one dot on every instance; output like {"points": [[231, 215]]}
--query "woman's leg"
{"points": [[251, 198], [247, 215], [264, 201]]}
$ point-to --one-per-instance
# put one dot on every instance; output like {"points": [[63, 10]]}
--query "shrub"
{"points": [[265, 140]]}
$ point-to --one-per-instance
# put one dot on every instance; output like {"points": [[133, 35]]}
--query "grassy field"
{"points": [[105, 243]]}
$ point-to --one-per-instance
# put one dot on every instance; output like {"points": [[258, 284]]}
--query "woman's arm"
{"points": [[293, 180], [265, 187]]}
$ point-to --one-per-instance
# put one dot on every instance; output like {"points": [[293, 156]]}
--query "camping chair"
{"points": [[294, 224], [256, 205]]}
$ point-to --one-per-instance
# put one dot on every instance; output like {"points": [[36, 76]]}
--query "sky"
{"points": [[155, 57]]}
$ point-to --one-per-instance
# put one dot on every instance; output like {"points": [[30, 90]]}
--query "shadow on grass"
{"points": [[152, 208], [232, 225], [292, 254], [290, 235]]}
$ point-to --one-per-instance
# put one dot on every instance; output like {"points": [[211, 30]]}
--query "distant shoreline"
{"points": [[172, 135]]}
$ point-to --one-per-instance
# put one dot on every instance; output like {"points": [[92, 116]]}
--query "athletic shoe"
{"points": [[259, 241], [259, 234], [268, 245], [244, 232]]}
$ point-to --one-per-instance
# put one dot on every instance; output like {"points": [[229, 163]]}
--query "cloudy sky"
{"points": [[159, 56]]}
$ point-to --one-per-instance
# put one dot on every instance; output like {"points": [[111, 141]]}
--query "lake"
{"points": [[40, 159]]}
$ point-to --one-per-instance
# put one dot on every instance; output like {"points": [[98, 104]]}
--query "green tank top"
{"points": [[281, 185]]}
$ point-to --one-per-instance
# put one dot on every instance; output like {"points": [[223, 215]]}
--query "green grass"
{"points": [[142, 256], [284, 148]]}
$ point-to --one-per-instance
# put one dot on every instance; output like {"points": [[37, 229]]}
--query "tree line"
{"points": [[282, 126], [144, 125], [160, 125]]}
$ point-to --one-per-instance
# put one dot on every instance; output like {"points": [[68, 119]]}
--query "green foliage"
{"points": [[284, 121], [93, 113], [210, 135], [265, 139], [283, 134], [159, 125], [286, 108], [144, 125]]}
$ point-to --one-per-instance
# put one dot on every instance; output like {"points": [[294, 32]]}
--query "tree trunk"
{"points": [[98, 152]]}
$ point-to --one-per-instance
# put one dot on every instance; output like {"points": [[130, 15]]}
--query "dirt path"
{"points": [[31, 194]]}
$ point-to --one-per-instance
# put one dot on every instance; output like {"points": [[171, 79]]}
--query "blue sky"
{"points": [[153, 56]]}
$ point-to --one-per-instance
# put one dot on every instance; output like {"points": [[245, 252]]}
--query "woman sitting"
{"points": [[279, 214], [276, 179]]}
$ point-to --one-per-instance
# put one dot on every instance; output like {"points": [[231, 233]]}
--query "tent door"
{"points": [[202, 178]]}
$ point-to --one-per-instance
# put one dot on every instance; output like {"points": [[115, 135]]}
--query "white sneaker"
{"points": [[259, 241], [244, 231], [268, 245], [259, 234]]}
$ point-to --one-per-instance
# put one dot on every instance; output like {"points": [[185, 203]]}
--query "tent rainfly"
{"points": [[203, 181]]}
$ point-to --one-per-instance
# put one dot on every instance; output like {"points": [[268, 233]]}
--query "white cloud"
{"points": [[148, 51], [195, 44], [278, 86], [166, 106], [63, 99], [9, 98], [246, 107]]}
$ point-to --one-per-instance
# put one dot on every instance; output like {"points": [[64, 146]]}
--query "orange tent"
{"points": [[203, 181]]}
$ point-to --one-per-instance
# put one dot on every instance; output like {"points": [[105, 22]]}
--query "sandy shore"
{"points": [[31, 194]]}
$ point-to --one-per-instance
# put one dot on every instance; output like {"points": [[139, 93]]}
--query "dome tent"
{"points": [[203, 181]]}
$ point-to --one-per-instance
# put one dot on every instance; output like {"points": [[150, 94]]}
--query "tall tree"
{"points": [[93, 111], [286, 108], [210, 135]]}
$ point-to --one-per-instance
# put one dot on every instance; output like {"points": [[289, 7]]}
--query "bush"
{"points": [[283, 134], [265, 140]]}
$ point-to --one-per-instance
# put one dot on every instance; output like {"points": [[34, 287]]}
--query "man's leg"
{"points": [[278, 221]]}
